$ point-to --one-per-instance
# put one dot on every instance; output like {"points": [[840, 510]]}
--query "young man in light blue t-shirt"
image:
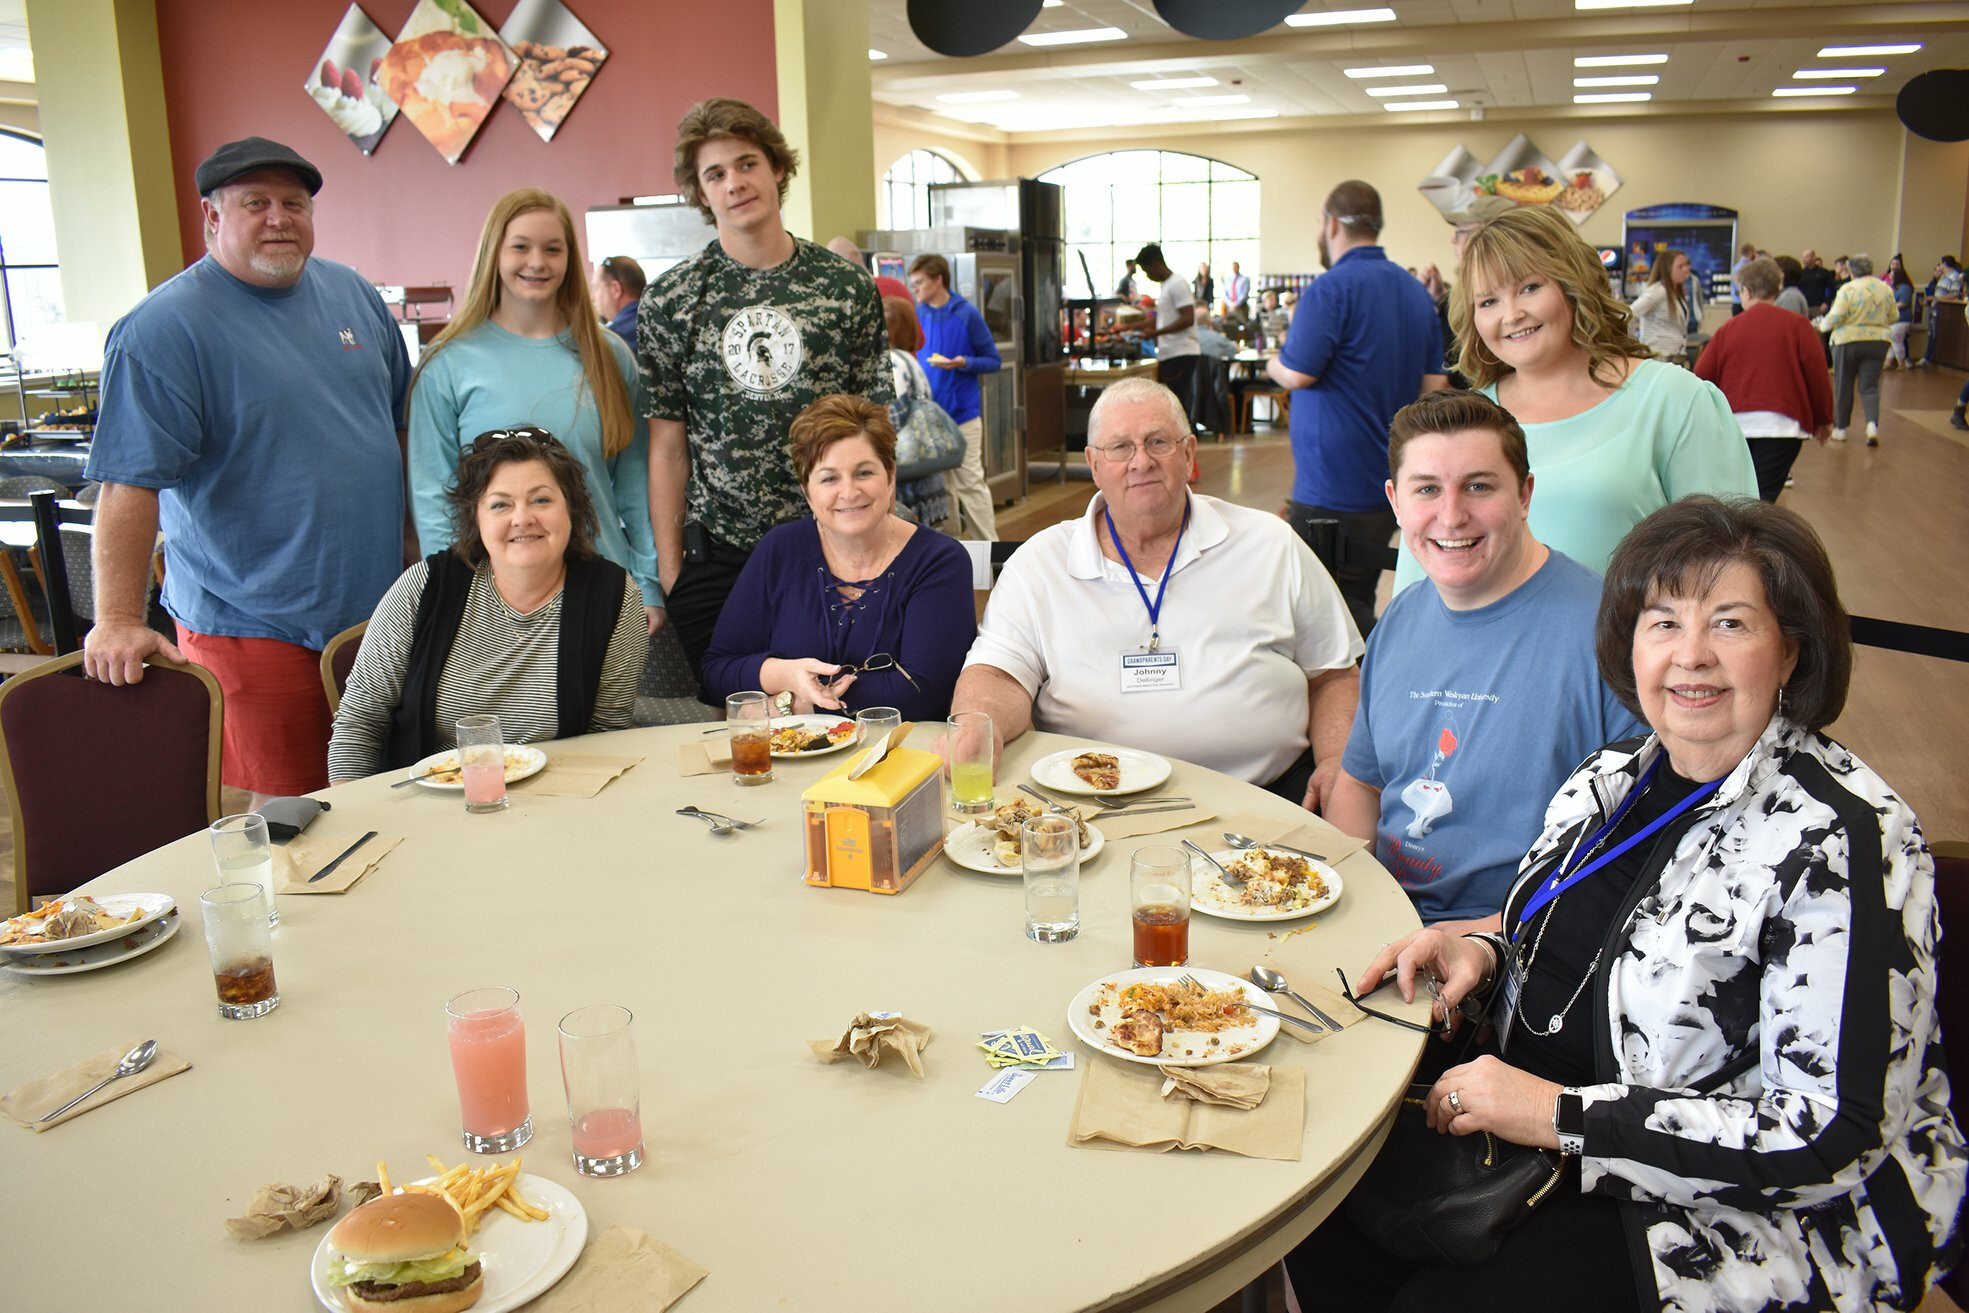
{"points": [[1480, 692]]}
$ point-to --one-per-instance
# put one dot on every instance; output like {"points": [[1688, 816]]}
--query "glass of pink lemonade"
{"points": [[482, 755], [598, 1069], [488, 1056]]}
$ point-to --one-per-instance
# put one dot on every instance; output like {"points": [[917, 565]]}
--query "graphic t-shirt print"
{"points": [[762, 349]]}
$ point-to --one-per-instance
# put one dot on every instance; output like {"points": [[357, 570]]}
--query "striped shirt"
{"points": [[500, 662]]}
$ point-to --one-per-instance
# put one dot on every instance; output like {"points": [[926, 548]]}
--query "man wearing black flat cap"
{"points": [[250, 408]]}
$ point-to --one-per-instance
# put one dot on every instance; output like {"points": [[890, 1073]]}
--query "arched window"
{"points": [[30, 280], [906, 188], [1200, 209]]}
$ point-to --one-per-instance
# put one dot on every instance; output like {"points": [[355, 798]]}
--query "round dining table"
{"points": [[797, 1184]]}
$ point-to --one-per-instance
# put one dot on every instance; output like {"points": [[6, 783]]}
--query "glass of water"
{"points": [[1049, 848], [244, 855]]}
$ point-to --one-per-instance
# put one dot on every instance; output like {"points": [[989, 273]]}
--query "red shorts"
{"points": [[277, 722]]}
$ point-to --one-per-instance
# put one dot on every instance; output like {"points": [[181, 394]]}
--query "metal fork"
{"points": [[1192, 982], [731, 822], [1233, 881], [1106, 803], [1048, 803]]}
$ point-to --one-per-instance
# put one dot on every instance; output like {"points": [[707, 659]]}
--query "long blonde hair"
{"points": [[605, 383], [1663, 272], [1537, 241]]}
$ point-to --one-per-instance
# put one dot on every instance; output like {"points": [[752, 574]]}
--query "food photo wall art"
{"points": [[1577, 185], [446, 70], [344, 81], [558, 59]]}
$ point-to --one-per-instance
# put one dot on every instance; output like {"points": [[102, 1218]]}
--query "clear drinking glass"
{"points": [[874, 722], [1049, 848], [488, 1058], [604, 1107], [1159, 903], [482, 755], [244, 855], [749, 727], [241, 945], [967, 740]]}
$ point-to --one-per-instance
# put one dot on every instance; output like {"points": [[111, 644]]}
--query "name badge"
{"points": [[1504, 1010], [1150, 672]]}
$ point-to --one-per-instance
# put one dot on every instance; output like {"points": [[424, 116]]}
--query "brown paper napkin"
{"points": [[1131, 827], [1121, 1103], [713, 756], [280, 1207], [870, 1035], [26, 1104], [571, 776], [1305, 960], [305, 854], [623, 1268], [1310, 832], [1227, 1085]]}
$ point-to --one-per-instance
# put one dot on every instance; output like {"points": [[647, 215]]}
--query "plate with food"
{"points": [[97, 956], [62, 924], [1278, 886], [991, 844], [441, 770], [409, 1250], [812, 736], [1149, 1015], [1102, 771]]}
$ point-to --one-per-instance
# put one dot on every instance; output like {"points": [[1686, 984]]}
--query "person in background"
{"points": [[517, 616], [1127, 288], [1665, 312], [1237, 291], [1814, 282], [1767, 364], [1903, 324], [1204, 289], [1745, 254], [1945, 284], [1272, 319], [1791, 298], [250, 408], [1479, 694], [618, 290], [527, 348], [919, 422], [854, 607], [1861, 323], [1177, 352], [957, 347]]}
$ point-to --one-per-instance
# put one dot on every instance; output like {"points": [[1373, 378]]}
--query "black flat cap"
{"points": [[236, 159]]}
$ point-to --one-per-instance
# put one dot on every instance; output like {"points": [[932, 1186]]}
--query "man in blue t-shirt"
{"points": [[957, 347], [250, 408], [1363, 344], [1480, 692]]}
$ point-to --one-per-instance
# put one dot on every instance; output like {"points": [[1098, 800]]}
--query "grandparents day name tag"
{"points": [[1149, 672]]}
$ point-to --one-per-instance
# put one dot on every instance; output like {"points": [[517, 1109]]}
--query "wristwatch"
{"points": [[1569, 1122]]}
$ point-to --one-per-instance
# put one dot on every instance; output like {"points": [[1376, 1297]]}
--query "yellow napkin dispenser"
{"points": [[878, 832]]}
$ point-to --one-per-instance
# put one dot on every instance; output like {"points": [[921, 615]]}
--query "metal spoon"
{"points": [[133, 1062], [1267, 979], [1222, 870], [1236, 840]]}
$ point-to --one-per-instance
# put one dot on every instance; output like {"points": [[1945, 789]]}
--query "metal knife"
{"points": [[1139, 811], [323, 872]]}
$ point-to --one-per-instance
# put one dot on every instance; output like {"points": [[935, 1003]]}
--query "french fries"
{"points": [[473, 1191]]}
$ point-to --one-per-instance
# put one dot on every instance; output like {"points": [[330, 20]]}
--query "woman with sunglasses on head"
{"points": [[519, 617], [527, 347], [855, 607]]}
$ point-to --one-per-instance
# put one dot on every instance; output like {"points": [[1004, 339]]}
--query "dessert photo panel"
{"points": [[446, 70], [557, 58], [344, 81]]}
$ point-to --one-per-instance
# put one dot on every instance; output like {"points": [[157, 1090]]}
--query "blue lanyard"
{"points": [[1155, 607], [1566, 878]]}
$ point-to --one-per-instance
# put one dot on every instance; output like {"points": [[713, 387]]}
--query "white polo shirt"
{"points": [[1249, 611]]}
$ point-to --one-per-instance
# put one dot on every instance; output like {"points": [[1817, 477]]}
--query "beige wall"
{"points": [[824, 108], [1933, 174]]}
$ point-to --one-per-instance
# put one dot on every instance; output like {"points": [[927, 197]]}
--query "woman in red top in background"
{"points": [[1769, 363]]}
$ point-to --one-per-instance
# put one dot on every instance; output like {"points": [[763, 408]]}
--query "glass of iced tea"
{"points": [[1159, 900], [967, 740], [604, 1104], [482, 757], [241, 945], [749, 727], [488, 1058]]}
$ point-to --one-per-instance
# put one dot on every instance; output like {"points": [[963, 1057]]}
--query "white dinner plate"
{"points": [[1182, 1048], [153, 906], [522, 763], [816, 723], [1139, 771], [95, 958], [970, 846], [520, 1260], [1210, 895]]}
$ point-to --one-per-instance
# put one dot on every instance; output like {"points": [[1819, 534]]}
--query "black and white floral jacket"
{"points": [[1789, 937]]}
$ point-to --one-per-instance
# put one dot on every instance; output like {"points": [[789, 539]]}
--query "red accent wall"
{"points": [[236, 68]]}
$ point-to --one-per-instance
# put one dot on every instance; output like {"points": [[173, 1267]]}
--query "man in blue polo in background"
{"points": [[1363, 343], [957, 347]]}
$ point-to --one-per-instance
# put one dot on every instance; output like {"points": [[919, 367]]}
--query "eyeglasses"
{"points": [[880, 661], [1347, 991], [493, 437], [1158, 448]]}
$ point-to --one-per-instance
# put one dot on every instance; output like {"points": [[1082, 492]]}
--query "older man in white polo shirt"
{"points": [[1170, 621]]}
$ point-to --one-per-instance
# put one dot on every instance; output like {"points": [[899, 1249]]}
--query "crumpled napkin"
{"points": [[623, 1268], [1228, 1085], [871, 1034], [281, 1207]]}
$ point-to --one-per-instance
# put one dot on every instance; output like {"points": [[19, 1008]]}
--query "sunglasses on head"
{"points": [[493, 437]]}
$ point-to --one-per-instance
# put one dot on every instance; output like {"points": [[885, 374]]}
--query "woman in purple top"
{"points": [[856, 607]]}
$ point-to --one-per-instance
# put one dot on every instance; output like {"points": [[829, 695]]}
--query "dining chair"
{"points": [[96, 775], [337, 660]]}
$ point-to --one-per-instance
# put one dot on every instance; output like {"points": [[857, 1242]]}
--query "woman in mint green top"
{"points": [[1612, 435], [1861, 322], [527, 348]]}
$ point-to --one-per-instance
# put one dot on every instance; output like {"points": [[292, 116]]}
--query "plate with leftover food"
{"points": [[991, 843], [62, 924], [1278, 886], [1148, 1015], [1100, 770], [812, 736], [97, 956], [444, 772]]}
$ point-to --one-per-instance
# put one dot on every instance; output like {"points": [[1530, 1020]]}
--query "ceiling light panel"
{"points": [[1417, 89], [1616, 61], [1076, 37], [1807, 74], [876, 54], [1628, 4], [1783, 92], [1392, 71], [1338, 17], [1857, 52], [1619, 80], [1611, 97]]}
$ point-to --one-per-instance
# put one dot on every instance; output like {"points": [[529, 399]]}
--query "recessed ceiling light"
{"points": [[1392, 71], [1079, 36], [1611, 97], [1616, 61], [1851, 52], [1173, 84], [977, 97], [1335, 17], [1420, 104], [1211, 100], [1806, 74], [1414, 89], [876, 54], [1628, 4], [1619, 80], [1814, 91]]}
